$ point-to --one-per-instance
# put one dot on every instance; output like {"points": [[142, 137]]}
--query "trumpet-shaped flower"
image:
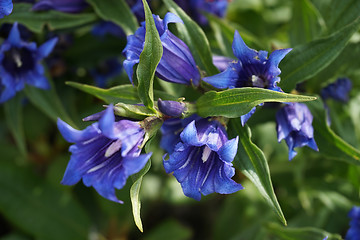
{"points": [[338, 90], [104, 154], [20, 64], [294, 124], [253, 69], [201, 161], [176, 65], [6, 7], [354, 232]]}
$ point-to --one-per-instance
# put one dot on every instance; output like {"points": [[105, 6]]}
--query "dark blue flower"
{"points": [[338, 90], [294, 124], [176, 65], [20, 64], [201, 161], [195, 8], [354, 231], [105, 71], [6, 7], [254, 69], [106, 27], [104, 154], [67, 6]]}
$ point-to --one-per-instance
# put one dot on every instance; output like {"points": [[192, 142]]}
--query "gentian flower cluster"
{"points": [[177, 65], [354, 232], [253, 69], [104, 154], [294, 124], [20, 64], [6, 7]]}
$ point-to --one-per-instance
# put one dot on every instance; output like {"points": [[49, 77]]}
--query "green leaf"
{"points": [[132, 111], [252, 163], [135, 192], [306, 60], [36, 21], [39, 208], [308, 233], [14, 120], [116, 11], [306, 23], [124, 93], [328, 142], [149, 59], [48, 102], [236, 102], [341, 13], [195, 38], [169, 229]]}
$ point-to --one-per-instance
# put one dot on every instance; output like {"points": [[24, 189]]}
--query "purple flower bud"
{"points": [[6, 7], [20, 64], [354, 232], [294, 124], [338, 90], [253, 69], [177, 65], [104, 154], [171, 108], [201, 160], [67, 6]]}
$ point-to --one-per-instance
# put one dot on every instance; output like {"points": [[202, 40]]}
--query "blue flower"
{"points": [[106, 70], [176, 65], [254, 69], [104, 154], [171, 108], [338, 90], [354, 231], [20, 64], [294, 124], [195, 8], [67, 6], [221, 62], [6, 7], [201, 161], [107, 27]]}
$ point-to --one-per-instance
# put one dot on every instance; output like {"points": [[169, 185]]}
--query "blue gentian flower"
{"points": [[254, 69], [176, 65], [195, 8], [294, 124], [354, 231], [201, 161], [20, 64], [67, 6], [338, 90], [104, 154], [107, 27], [6, 7], [105, 71]]}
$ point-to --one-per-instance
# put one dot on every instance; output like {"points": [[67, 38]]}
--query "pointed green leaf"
{"points": [[195, 38], [38, 208], [341, 13], [328, 142], [239, 101], [252, 163], [306, 60], [306, 23], [134, 194], [149, 59], [308, 233], [116, 11], [36, 21], [48, 101], [14, 120], [124, 93]]}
